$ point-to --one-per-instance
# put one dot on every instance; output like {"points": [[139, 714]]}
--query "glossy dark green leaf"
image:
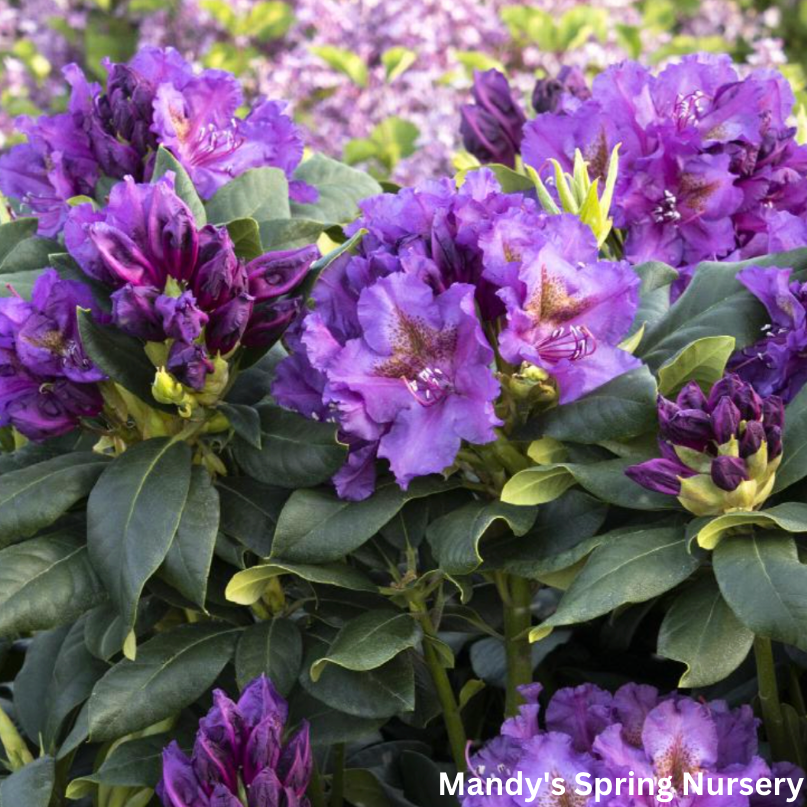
{"points": [[456, 536], [290, 233], [765, 584], [702, 632], [171, 671], [182, 183], [369, 641], [132, 517], [618, 410], [46, 582], [187, 564], [13, 233], [34, 497], [250, 510], [794, 444], [31, 786], [246, 238], [637, 566], [260, 193], [245, 422], [273, 648], [295, 452], [316, 526], [329, 726], [121, 357], [340, 189]]}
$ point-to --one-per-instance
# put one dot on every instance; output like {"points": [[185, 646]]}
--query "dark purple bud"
{"points": [[295, 763], [172, 234], [218, 744], [189, 364], [728, 472], [277, 273], [260, 700], [550, 94], [262, 749], [270, 321], [130, 99], [725, 420], [181, 318], [491, 127], [220, 276], [659, 475], [228, 323], [742, 395], [133, 312], [667, 410], [773, 411], [179, 786], [752, 438], [689, 427], [267, 791], [691, 396], [774, 437], [221, 797], [121, 256]]}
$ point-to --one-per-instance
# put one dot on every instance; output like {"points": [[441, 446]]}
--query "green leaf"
{"points": [[340, 189], [455, 537], [248, 586], [171, 671], [794, 444], [246, 238], [369, 641], [655, 275], [321, 265], [121, 357], [538, 485], [182, 183], [564, 533], [249, 511], [623, 408], [790, 516], [29, 256], [397, 61], [31, 786], [383, 692], [245, 422], [605, 480], [13, 233], [343, 60], [34, 497], [316, 526], [46, 582], [635, 567], [278, 234], [187, 564], [701, 631], [714, 304], [273, 648], [702, 361], [329, 726], [132, 516], [295, 451], [763, 581], [261, 194]]}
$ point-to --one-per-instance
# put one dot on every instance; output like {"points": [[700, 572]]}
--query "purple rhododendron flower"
{"points": [[636, 743], [175, 281], [566, 310], [154, 99], [775, 364], [47, 382], [564, 93], [719, 453], [239, 749], [706, 158]]}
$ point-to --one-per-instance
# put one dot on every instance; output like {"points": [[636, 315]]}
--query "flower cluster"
{"points": [[710, 166], [718, 453], [239, 758], [47, 383], [400, 345], [635, 737], [776, 365], [179, 285], [154, 99]]}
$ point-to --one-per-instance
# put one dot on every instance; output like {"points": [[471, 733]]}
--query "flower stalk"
{"points": [[769, 697], [517, 599]]}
